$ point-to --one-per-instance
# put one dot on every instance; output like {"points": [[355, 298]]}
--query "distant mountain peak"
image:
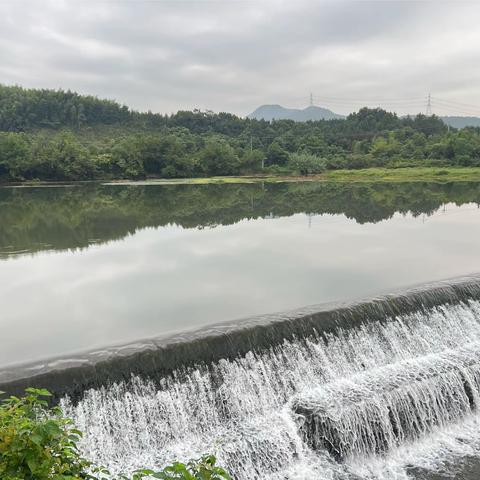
{"points": [[277, 112]]}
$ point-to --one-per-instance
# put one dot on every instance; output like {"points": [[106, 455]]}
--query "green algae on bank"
{"points": [[410, 174]]}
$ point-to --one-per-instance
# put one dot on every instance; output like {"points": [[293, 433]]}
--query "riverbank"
{"points": [[410, 174]]}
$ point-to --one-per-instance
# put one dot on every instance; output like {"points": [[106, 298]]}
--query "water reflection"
{"points": [[273, 248], [38, 219]]}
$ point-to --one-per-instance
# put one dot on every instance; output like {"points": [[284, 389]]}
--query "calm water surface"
{"points": [[86, 266]]}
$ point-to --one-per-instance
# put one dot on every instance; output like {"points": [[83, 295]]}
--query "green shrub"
{"points": [[306, 163], [39, 443], [202, 469]]}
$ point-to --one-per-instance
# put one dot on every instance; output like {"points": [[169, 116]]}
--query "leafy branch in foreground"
{"points": [[39, 443], [202, 469]]}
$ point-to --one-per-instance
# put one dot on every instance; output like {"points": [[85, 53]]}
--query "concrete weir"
{"points": [[156, 358]]}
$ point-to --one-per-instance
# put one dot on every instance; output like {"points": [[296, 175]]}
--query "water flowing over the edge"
{"points": [[162, 356], [388, 395]]}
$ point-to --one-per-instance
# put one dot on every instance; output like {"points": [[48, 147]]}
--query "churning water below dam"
{"points": [[376, 398]]}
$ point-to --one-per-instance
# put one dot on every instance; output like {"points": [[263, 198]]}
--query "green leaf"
{"points": [[36, 439], [41, 392]]}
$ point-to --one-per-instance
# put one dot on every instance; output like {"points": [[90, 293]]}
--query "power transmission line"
{"points": [[372, 99], [457, 107], [453, 102], [413, 103], [429, 106], [454, 111]]}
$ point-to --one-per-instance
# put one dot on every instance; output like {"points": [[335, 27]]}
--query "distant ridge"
{"points": [[461, 122], [277, 112]]}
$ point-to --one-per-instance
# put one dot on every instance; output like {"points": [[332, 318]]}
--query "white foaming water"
{"points": [[416, 369], [379, 409]]}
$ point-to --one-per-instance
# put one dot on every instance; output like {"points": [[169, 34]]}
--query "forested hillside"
{"points": [[58, 135], [22, 109]]}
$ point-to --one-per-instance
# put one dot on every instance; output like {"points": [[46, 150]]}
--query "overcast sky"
{"points": [[233, 55]]}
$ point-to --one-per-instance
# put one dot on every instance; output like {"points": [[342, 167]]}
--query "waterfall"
{"points": [[367, 399], [373, 411]]}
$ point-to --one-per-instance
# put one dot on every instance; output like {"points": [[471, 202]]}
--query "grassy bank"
{"points": [[410, 174]]}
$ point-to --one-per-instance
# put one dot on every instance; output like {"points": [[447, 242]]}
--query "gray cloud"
{"points": [[232, 55]]}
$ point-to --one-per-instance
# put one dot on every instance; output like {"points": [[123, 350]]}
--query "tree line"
{"points": [[61, 135]]}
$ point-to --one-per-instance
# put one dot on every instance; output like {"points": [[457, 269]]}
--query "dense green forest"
{"points": [[37, 219], [60, 135]]}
